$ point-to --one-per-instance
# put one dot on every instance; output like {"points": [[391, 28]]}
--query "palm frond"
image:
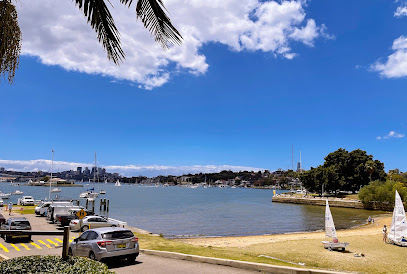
{"points": [[10, 41], [100, 19], [153, 16]]}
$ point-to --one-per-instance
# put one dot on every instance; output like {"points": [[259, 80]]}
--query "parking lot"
{"points": [[52, 245], [40, 245]]}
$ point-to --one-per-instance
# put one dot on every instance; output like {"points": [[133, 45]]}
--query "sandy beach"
{"points": [[306, 248]]}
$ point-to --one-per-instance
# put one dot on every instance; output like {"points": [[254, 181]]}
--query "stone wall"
{"points": [[333, 202]]}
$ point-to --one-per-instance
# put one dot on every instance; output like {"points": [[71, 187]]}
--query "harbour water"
{"points": [[204, 212]]}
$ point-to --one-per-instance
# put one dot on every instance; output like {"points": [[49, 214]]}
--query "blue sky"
{"points": [[245, 108]]}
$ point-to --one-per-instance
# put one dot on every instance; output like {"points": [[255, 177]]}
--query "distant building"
{"points": [[299, 167], [86, 171], [79, 170], [2, 169]]}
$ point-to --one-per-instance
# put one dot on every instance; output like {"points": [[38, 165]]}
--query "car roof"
{"points": [[108, 229], [18, 219]]}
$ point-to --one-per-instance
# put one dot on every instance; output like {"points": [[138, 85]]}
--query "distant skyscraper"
{"points": [[86, 171], [298, 166], [79, 170]]}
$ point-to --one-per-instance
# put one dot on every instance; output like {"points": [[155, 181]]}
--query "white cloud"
{"points": [[127, 170], [396, 64], [401, 11], [392, 134], [57, 33]]}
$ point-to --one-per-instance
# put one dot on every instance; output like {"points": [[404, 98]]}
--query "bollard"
{"points": [[65, 243]]}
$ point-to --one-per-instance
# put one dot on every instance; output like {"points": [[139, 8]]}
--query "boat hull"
{"points": [[335, 246]]}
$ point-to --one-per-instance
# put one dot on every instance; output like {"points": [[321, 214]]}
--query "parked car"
{"points": [[65, 219], [20, 223], [2, 219], [103, 243], [92, 222], [27, 200]]}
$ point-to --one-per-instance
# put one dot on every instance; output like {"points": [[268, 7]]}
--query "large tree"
{"points": [[343, 170], [150, 12]]}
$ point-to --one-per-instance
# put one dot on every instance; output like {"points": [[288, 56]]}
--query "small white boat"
{"points": [[4, 195], [56, 189], [117, 183], [102, 191], [17, 192], [398, 229], [330, 232]]}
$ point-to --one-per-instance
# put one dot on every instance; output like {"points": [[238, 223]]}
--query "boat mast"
{"points": [[52, 165]]}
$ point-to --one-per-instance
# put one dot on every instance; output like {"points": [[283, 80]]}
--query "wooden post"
{"points": [[100, 205], [65, 244]]}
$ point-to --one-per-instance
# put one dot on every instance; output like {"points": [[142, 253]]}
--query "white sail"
{"points": [[398, 227], [330, 230]]}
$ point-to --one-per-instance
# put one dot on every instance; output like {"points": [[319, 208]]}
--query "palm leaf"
{"points": [[154, 18], [99, 17]]}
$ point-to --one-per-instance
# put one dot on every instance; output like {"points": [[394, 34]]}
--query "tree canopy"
{"points": [[343, 170], [150, 12]]}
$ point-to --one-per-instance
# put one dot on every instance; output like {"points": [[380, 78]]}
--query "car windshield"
{"points": [[20, 223], [118, 234], [28, 198]]}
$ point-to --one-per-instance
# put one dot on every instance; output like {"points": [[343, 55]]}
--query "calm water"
{"points": [[205, 212]]}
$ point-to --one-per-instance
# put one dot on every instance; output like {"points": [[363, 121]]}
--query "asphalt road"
{"points": [[52, 245]]}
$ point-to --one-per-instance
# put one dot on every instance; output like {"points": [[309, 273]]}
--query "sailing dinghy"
{"points": [[330, 232], [398, 229]]}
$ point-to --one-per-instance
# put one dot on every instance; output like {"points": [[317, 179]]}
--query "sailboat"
{"points": [[398, 229], [330, 232], [117, 183]]}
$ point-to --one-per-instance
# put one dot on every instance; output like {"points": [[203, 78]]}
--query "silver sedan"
{"points": [[103, 243], [92, 222]]}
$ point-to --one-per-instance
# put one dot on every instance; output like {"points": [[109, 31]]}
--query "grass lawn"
{"points": [[297, 248]]}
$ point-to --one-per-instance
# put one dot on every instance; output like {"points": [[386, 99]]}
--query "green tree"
{"points": [[380, 195], [150, 12]]}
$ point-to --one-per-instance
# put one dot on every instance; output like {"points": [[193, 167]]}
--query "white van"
{"points": [[53, 210], [43, 207]]}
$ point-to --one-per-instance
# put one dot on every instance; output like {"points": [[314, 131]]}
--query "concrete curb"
{"points": [[237, 264], [4, 257]]}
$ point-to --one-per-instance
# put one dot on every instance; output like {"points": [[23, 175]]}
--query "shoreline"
{"points": [[243, 241]]}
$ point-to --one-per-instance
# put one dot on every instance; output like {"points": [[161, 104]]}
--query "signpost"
{"points": [[81, 214]]}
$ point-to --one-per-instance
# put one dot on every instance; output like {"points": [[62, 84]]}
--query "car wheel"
{"points": [[113, 225], [29, 238], [84, 228], [70, 252], [131, 258], [6, 238], [92, 256]]}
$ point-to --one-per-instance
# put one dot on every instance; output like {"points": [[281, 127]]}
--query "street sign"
{"points": [[81, 214]]}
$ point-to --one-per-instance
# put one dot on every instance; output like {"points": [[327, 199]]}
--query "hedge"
{"points": [[52, 264]]}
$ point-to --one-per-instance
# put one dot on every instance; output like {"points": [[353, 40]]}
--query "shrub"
{"points": [[380, 195], [52, 264]]}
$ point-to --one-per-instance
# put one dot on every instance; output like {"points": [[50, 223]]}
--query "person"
{"points": [[384, 233], [10, 208], [369, 220]]}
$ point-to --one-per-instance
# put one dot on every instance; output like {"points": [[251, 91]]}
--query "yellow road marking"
{"points": [[4, 248], [58, 240], [26, 247], [70, 241], [47, 245], [34, 244], [54, 243], [13, 245]]}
